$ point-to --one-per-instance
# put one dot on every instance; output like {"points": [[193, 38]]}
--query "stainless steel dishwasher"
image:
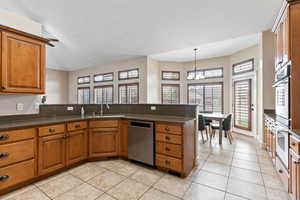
{"points": [[141, 141]]}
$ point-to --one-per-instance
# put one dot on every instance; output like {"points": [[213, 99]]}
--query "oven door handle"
{"points": [[281, 82]]}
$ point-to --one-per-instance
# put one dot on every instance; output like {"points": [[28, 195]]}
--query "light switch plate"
{"points": [[20, 106], [70, 108], [153, 107]]}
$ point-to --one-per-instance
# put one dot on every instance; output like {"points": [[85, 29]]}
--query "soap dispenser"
{"points": [[82, 111]]}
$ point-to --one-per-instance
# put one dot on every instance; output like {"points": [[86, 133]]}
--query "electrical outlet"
{"points": [[153, 107], [20, 106], [70, 108]]}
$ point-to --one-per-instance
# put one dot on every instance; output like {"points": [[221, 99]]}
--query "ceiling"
{"points": [[211, 50], [96, 32]]}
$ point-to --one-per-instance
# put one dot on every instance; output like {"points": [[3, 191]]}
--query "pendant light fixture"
{"points": [[197, 75]]}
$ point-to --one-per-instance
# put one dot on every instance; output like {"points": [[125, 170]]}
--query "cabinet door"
{"points": [[52, 153], [279, 44], [22, 64], [286, 46], [76, 146], [294, 178], [104, 142], [124, 139]]}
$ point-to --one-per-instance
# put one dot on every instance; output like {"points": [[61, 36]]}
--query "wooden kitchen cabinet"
{"points": [[77, 147], [22, 64], [52, 153], [104, 138], [294, 180]]}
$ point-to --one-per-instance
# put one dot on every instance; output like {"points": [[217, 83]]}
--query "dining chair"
{"points": [[226, 127], [202, 126]]}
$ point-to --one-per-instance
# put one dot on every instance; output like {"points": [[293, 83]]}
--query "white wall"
{"points": [[153, 81], [140, 63], [57, 90]]}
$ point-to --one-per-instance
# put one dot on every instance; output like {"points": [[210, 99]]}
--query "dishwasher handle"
{"points": [[139, 124]]}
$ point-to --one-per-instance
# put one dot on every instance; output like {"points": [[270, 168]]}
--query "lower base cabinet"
{"points": [[51, 153], [76, 147], [294, 181]]}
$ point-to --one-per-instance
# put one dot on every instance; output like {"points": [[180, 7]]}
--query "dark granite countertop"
{"points": [[271, 114], [40, 121], [296, 133]]}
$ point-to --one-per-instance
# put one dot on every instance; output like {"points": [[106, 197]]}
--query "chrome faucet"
{"points": [[107, 106]]}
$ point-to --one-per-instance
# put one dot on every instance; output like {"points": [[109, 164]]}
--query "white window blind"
{"points": [[129, 93], [104, 77], [103, 94], [243, 67], [206, 74], [83, 80], [209, 96], [83, 95], [242, 104], [170, 94], [170, 75], [129, 74]]}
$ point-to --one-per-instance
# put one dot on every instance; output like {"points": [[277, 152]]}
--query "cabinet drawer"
{"points": [[51, 130], [169, 128], [16, 135], [104, 123], [174, 150], [283, 174], [77, 126], [294, 144], [174, 139], [169, 163], [16, 152], [14, 174]]}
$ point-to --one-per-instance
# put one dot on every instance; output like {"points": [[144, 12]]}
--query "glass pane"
{"points": [[243, 67], [171, 75], [133, 73], [190, 75], [108, 77], [123, 75], [82, 80], [122, 94], [132, 94], [214, 73], [98, 78]]}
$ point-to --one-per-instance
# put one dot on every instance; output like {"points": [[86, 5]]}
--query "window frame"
{"points": [[84, 82], [127, 71], [243, 62], [170, 79], [204, 84], [103, 74], [249, 128], [104, 86], [205, 70], [162, 97], [128, 84], [78, 88]]}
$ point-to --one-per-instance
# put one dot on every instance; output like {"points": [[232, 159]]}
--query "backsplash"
{"points": [[174, 110]]}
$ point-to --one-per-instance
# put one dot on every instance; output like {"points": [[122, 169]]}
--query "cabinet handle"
{"points": [[293, 143], [167, 162], [167, 138], [296, 162], [167, 149], [4, 178], [77, 126], [280, 171], [4, 155], [4, 137], [167, 129], [3, 87], [51, 130]]}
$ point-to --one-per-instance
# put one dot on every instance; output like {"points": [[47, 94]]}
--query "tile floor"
{"points": [[229, 172]]}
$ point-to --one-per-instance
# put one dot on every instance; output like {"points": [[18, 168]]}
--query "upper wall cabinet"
{"points": [[22, 63]]}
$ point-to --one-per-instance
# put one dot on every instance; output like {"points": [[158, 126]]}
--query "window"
{"points": [[129, 93], [170, 75], [84, 80], [170, 93], [103, 94], [209, 96], [103, 77], [129, 74], [83, 95], [206, 74], [242, 104], [243, 67]]}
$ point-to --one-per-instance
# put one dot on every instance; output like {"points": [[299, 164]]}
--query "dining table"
{"points": [[216, 117]]}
